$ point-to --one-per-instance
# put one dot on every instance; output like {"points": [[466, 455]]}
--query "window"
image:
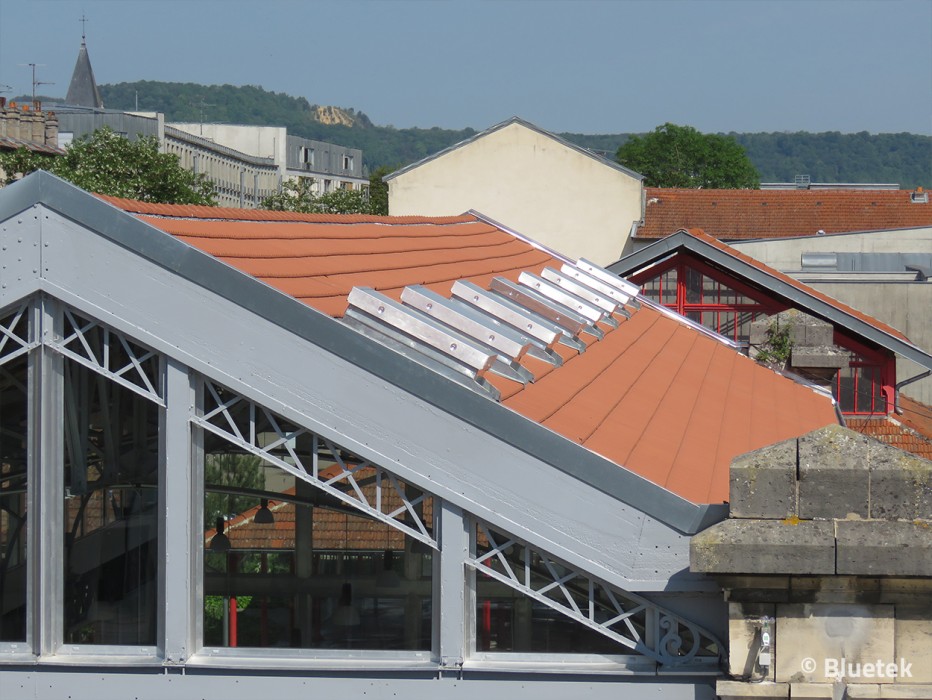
{"points": [[347, 162], [701, 295], [859, 387], [14, 484], [111, 556], [110, 435], [289, 564], [307, 157], [529, 602]]}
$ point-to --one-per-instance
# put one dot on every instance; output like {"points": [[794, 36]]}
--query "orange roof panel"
{"points": [[654, 395]]}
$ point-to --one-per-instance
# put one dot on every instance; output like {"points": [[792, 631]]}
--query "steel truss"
{"points": [[345, 476], [627, 618], [14, 333], [111, 354]]}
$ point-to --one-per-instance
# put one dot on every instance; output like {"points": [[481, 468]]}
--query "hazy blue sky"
{"points": [[591, 67]]}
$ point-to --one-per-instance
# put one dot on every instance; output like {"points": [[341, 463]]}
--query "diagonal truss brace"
{"points": [[14, 335], [98, 357], [663, 637], [328, 480]]}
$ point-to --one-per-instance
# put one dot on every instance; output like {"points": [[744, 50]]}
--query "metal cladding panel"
{"points": [[430, 447], [157, 684]]}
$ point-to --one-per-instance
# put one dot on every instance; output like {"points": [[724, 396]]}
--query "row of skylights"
{"points": [[480, 331]]}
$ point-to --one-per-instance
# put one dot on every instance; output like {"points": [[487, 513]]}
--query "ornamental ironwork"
{"points": [[633, 621]]}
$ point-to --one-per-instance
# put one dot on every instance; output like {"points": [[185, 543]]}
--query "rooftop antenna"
{"points": [[202, 105], [35, 82]]}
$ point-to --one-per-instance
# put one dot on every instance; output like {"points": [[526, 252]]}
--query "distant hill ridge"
{"points": [[826, 157]]}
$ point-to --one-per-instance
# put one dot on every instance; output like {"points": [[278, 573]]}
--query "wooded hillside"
{"points": [[828, 157]]}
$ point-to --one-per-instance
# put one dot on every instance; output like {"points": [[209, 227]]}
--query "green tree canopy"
{"points": [[107, 163], [681, 156], [298, 195]]}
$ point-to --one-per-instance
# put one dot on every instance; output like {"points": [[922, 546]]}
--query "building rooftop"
{"points": [[751, 214], [656, 395]]}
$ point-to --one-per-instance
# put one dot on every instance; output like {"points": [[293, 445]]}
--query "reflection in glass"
{"points": [[316, 573], [110, 512], [13, 483], [508, 620]]}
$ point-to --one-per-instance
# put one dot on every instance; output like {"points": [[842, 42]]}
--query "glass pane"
{"points": [[508, 620], [709, 290], [287, 565], [726, 324], [651, 289], [869, 390], [727, 295], [110, 512], [845, 390], [693, 286], [668, 287], [13, 483]]}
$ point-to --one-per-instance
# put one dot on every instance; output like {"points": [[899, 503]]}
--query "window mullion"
{"points": [[453, 607], [179, 528], [48, 451]]}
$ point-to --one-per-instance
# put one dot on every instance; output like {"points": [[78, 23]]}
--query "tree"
{"points": [[378, 189], [681, 156], [298, 195], [107, 163]]}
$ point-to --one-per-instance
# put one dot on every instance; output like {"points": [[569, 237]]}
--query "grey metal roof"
{"points": [[528, 125], [83, 89], [794, 295], [333, 336]]}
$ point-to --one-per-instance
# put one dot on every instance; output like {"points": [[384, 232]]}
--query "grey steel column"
{"points": [[454, 598], [180, 525], [48, 451]]}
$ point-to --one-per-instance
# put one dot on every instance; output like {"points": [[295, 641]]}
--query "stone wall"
{"points": [[828, 549]]}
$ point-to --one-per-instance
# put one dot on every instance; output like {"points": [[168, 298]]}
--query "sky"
{"points": [[592, 67]]}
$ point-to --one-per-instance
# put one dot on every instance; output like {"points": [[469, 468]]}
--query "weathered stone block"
{"points": [[737, 690], [834, 475], [900, 484], [884, 548], [913, 640], [827, 357], [764, 547], [810, 637], [762, 484]]}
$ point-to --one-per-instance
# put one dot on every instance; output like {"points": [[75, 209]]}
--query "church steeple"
{"points": [[83, 90]]}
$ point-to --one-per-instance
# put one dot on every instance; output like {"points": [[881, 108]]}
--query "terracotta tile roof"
{"points": [[746, 214], [910, 431], [655, 395], [701, 235]]}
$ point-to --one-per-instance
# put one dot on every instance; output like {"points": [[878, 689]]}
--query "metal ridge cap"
{"points": [[520, 236]]}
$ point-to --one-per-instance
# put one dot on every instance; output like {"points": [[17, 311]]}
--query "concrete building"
{"points": [[331, 166], [569, 199], [466, 486]]}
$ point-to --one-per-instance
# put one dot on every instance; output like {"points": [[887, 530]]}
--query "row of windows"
{"points": [[305, 545]]}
